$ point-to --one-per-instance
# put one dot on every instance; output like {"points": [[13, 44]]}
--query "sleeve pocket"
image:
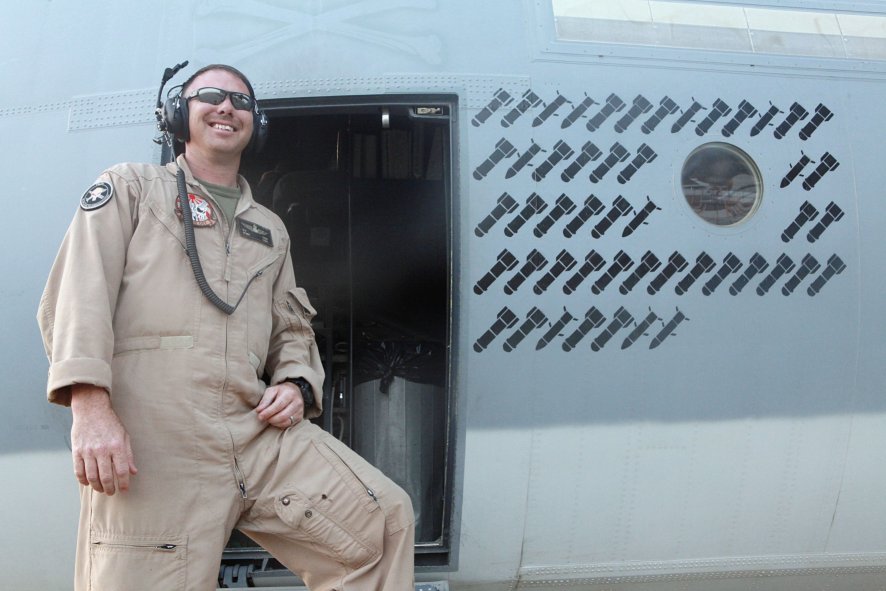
{"points": [[296, 309]]}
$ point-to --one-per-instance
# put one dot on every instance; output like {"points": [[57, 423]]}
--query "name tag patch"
{"points": [[252, 231]]}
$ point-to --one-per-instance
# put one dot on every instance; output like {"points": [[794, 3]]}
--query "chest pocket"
{"points": [[297, 312]]}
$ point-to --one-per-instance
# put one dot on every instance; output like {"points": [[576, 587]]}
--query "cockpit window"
{"points": [[722, 184]]}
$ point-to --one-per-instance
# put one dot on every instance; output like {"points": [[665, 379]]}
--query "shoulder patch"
{"points": [[96, 196]]}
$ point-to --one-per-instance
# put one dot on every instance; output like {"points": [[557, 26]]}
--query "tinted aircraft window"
{"points": [[721, 184]]}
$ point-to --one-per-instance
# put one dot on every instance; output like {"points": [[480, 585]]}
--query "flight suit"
{"points": [[122, 310]]}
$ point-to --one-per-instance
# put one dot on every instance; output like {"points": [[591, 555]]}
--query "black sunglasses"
{"points": [[216, 96]]}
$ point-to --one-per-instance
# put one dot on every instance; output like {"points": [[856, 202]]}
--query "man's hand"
{"points": [[281, 406], [99, 443]]}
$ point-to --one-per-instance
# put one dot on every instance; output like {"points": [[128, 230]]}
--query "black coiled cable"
{"points": [[191, 248]]}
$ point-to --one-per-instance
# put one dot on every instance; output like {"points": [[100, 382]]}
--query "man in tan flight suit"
{"points": [[160, 378]]}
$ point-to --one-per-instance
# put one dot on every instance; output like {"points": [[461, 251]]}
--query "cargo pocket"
{"points": [[341, 520], [136, 562]]}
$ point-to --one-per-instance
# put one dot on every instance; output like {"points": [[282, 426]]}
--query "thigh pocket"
{"points": [[136, 562], [334, 512]]}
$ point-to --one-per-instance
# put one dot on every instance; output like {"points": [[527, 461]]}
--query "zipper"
{"points": [[369, 491], [227, 228], [228, 269], [161, 547], [233, 223], [229, 231], [241, 480]]}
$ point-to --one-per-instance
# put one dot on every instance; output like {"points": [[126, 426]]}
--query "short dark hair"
{"points": [[224, 67]]}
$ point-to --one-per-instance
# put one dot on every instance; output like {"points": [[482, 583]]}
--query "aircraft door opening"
{"points": [[364, 189]]}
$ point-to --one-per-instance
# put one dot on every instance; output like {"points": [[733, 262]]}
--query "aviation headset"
{"points": [[172, 115]]}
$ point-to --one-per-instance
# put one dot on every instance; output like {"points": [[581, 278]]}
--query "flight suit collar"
{"points": [[246, 202]]}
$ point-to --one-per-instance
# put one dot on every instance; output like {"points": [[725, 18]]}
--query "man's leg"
{"points": [[329, 516], [168, 531], [172, 542]]}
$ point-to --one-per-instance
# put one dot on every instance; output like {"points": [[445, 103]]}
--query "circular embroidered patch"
{"points": [[96, 196]]}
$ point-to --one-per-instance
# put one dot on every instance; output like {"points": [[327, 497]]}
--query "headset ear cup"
{"points": [[259, 132], [175, 118], [182, 117], [168, 122]]}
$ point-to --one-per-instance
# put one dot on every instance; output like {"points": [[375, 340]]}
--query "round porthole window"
{"points": [[721, 184]]}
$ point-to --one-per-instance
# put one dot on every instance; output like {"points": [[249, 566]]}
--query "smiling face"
{"points": [[217, 131]]}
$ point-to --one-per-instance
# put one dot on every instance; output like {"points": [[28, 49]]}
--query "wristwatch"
{"points": [[307, 393]]}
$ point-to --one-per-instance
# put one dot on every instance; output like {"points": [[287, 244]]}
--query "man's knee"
{"points": [[398, 509]]}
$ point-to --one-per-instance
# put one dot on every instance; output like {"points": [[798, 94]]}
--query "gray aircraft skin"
{"points": [[658, 269]]}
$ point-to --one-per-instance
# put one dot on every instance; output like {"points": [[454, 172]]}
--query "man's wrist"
{"points": [[87, 400], [89, 394], [307, 392]]}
